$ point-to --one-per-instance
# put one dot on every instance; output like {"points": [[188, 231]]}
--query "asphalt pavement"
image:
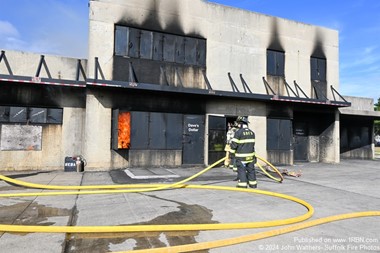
{"points": [[332, 189]]}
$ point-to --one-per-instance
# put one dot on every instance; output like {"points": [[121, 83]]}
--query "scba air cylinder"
{"points": [[79, 164]]}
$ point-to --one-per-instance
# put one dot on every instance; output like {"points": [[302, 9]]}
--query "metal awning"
{"points": [[170, 89], [41, 80], [212, 93], [293, 95]]}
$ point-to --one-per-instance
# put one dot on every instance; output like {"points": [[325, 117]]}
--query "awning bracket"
{"points": [[268, 88], [98, 69], [245, 85], [334, 91], [3, 56], [233, 85], [80, 70], [42, 63], [298, 88], [206, 80]]}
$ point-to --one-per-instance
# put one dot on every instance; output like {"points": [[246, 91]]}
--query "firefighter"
{"points": [[230, 161], [243, 147]]}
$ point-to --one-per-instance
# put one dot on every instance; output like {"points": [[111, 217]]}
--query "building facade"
{"points": [[163, 79]]}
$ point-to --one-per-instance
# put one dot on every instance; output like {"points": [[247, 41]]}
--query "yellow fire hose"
{"points": [[179, 227], [280, 177], [145, 188], [89, 187], [254, 237]]}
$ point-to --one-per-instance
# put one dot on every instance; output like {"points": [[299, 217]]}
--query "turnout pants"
{"points": [[246, 174]]}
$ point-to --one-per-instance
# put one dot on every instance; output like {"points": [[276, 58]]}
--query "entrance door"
{"points": [[216, 138], [300, 136], [193, 139]]}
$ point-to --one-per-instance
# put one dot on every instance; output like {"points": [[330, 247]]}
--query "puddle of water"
{"points": [[187, 214], [30, 214]]}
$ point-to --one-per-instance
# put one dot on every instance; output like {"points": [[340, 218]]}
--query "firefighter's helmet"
{"points": [[242, 119]]}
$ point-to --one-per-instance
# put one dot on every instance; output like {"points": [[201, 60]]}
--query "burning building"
{"points": [[163, 79]]}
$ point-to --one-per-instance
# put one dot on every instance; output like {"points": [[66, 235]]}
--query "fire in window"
{"points": [[124, 130]]}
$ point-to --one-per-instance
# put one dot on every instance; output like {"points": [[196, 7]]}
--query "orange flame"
{"points": [[124, 129]]}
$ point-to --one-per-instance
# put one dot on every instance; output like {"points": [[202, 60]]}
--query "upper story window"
{"points": [[318, 78], [275, 63], [157, 46], [318, 69]]}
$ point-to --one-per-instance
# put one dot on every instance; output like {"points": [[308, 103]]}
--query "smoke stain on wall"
{"points": [[318, 50], [174, 23], [275, 42], [153, 21]]}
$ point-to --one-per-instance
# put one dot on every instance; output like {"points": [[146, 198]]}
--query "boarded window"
{"points": [[201, 52], [133, 42], [121, 40], [151, 45], [180, 49], [190, 51], [318, 69], [318, 78], [169, 47], [139, 130], [158, 46], [31, 115], [18, 114], [4, 114], [275, 63], [146, 44], [54, 116], [37, 115]]}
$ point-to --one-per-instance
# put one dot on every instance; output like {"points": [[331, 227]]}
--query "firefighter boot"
{"points": [[252, 184], [241, 184]]}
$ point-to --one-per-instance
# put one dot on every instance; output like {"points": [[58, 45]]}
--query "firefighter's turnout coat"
{"points": [[243, 145]]}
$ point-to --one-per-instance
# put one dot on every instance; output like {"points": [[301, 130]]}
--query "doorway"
{"points": [[193, 139], [301, 141]]}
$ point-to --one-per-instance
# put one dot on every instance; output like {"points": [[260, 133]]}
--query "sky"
{"points": [[60, 27]]}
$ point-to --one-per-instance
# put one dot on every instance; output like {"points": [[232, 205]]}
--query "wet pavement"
{"points": [[331, 189]]}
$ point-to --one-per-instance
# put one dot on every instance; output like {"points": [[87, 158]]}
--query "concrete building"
{"points": [[162, 80]]}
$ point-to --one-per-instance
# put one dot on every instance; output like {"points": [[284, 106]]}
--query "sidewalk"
{"points": [[331, 189]]}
